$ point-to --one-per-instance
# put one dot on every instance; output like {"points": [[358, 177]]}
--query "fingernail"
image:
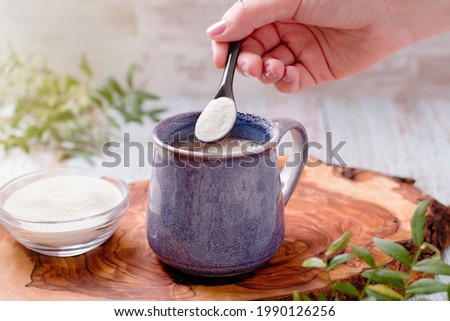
{"points": [[217, 29], [287, 79], [245, 71], [268, 72]]}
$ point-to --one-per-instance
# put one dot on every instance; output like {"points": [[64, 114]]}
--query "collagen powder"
{"points": [[63, 198], [63, 214], [216, 120]]}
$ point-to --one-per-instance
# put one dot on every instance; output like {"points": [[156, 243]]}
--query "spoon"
{"points": [[218, 118]]}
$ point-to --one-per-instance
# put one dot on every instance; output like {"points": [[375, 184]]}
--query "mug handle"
{"points": [[291, 174]]}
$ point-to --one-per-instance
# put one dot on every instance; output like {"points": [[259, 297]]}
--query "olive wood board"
{"points": [[328, 201]]}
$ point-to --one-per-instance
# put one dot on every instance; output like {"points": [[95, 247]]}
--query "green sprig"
{"points": [[42, 108], [381, 283]]}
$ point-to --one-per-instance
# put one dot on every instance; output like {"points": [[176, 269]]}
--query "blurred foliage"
{"points": [[382, 284], [42, 108]]}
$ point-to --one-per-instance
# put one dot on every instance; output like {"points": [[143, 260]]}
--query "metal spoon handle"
{"points": [[226, 84]]}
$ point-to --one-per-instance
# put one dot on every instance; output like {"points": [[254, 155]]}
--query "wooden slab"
{"points": [[328, 202]]}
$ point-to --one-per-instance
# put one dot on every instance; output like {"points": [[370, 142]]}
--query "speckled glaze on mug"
{"points": [[220, 214]]}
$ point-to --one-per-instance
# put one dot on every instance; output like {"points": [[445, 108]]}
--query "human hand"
{"points": [[295, 44]]}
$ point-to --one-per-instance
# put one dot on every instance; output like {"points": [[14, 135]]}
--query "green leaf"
{"points": [[35, 131], [432, 266], [137, 107], [115, 86], [386, 276], [418, 223], [321, 297], [437, 253], [346, 288], [365, 255], [137, 103], [24, 145], [96, 101], [85, 67], [394, 250], [71, 82], [426, 286], [64, 116], [130, 76], [106, 94], [145, 95], [314, 262], [306, 297], [383, 293], [339, 259], [338, 244]]}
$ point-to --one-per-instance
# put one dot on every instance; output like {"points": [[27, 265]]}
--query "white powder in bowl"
{"points": [[63, 198], [216, 120]]}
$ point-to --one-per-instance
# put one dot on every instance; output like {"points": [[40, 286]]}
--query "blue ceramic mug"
{"points": [[220, 212]]}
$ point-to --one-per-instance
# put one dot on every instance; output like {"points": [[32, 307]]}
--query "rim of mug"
{"points": [[232, 154]]}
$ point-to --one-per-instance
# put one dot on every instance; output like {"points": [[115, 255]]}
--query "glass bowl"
{"points": [[63, 237]]}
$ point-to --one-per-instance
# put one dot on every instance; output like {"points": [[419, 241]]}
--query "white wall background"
{"points": [[168, 42]]}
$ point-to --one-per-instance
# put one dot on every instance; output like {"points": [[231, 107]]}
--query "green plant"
{"points": [[42, 108], [382, 283]]}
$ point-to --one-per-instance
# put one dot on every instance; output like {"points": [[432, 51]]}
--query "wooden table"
{"points": [[400, 138]]}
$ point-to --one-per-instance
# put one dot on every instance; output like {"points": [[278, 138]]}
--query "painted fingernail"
{"points": [[217, 29], [245, 71], [268, 72]]}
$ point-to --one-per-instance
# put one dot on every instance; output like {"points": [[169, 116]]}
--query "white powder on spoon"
{"points": [[63, 198], [216, 120]]}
